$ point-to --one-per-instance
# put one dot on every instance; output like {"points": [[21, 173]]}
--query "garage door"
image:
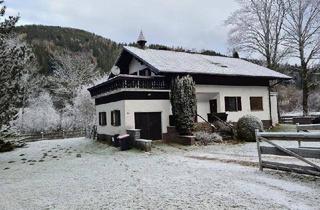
{"points": [[149, 123]]}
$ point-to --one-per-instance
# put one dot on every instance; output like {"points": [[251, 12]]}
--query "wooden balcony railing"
{"points": [[130, 81]]}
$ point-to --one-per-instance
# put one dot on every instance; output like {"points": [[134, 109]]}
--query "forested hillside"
{"points": [[47, 40]]}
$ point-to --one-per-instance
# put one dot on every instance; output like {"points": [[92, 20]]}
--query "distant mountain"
{"points": [[47, 39]]}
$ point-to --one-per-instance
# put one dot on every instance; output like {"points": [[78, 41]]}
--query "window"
{"points": [[102, 118], [256, 104], [232, 104], [115, 118]]}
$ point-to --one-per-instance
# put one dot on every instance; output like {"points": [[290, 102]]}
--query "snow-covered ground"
{"points": [[223, 176]]}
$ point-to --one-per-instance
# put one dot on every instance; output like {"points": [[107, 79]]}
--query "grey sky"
{"points": [[189, 23]]}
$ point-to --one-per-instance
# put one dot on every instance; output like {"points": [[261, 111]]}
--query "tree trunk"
{"points": [[305, 90]]}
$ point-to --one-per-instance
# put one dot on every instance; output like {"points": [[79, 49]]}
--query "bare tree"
{"points": [[72, 70], [302, 29], [257, 28]]}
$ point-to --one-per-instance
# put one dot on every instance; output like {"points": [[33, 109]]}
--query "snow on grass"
{"points": [[166, 178]]}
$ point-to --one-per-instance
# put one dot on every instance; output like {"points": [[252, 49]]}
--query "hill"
{"points": [[47, 39]]}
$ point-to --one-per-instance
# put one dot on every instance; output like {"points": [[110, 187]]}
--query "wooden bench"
{"points": [[143, 144], [307, 128], [300, 153]]}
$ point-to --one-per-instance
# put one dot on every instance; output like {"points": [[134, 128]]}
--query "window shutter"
{"points": [[118, 119], [233, 104], [112, 118], [102, 118], [256, 104], [115, 118], [239, 108]]}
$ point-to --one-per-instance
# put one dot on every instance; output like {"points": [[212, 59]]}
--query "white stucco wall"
{"points": [[127, 109], [203, 106], [135, 66], [244, 92], [132, 106], [204, 93], [274, 108], [109, 129]]}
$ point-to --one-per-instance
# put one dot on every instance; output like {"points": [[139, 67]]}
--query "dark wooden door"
{"points": [[150, 124], [213, 106]]}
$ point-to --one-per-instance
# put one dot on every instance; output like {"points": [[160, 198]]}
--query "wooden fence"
{"points": [[52, 135], [286, 119], [307, 128], [291, 119], [299, 153]]}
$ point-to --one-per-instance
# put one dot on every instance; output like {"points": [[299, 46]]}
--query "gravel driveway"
{"points": [[83, 174]]}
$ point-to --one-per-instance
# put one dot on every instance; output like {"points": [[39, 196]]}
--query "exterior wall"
{"points": [[203, 107], [127, 109], [274, 108], [245, 92], [204, 94], [132, 106], [109, 129], [135, 66]]}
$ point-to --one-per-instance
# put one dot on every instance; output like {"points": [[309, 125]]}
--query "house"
{"points": [[136, 94]]}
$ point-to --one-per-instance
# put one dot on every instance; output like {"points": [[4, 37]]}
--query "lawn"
{"points": [[84, 174]]}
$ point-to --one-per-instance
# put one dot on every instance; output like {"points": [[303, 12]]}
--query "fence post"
{"points": [[259, 150], [63, 134], [41, 134], [299, 142]]}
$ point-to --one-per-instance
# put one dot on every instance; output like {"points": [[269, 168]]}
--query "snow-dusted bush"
{"points": [[183, 101], [84, 109], [79, 115], [314, 101], [206, 138], [290, 98], [202, 126], [246, 127], [39, 116]]}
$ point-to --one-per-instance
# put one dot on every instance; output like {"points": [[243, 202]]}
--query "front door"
{"points": [[149, 123], [213, 106]]}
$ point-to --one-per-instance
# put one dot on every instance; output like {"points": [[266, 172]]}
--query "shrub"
{"points": [[206, 138], [246, 127], [183, 103], [202, 126]]}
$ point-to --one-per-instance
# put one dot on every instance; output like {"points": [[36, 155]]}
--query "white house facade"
{"points": [[137, 97]]}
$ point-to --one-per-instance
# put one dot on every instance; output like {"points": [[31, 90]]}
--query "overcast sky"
{"points": [[192, 24]]}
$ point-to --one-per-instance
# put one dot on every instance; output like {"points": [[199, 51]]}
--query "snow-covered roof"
{"points": [[180, 62]]}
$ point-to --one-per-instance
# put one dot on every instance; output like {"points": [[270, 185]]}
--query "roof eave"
{"points": [[229, 75]]}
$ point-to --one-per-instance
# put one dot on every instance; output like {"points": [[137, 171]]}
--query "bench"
{"points": [[300, 153], [307, 128], [143, 144]]}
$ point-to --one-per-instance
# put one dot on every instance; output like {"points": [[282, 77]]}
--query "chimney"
{"points": [[141, 40]]}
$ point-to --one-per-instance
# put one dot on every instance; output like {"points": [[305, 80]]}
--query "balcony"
{"points": [[130, 82]]}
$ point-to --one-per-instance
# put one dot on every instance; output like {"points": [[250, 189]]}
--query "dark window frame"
{"points": [[102, 118], [229, 107], [116, 118], [256, 105]]}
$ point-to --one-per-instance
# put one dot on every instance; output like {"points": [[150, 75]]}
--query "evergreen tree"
{"points": [[183, 102], [14, 55]]}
